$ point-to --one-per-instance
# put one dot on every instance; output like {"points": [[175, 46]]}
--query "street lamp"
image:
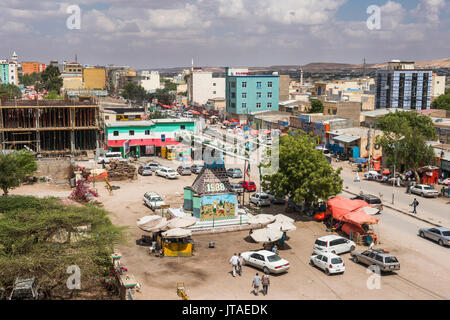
{"points": [[395, 162]]}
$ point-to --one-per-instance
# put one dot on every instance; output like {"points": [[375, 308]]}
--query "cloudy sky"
{"points": [[169, 33]]}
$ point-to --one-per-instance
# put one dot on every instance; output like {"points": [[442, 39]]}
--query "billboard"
{"points": [[126, 148]]}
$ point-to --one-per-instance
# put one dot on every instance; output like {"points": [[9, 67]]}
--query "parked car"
{"points": [[196, 168], [236, 187], [152, 165], [260, 199], [153, 200], [275, 200], [441, 235], [424, 190], [372, 200], [145, 171], [381, 258], [372, 175], [167, 173], [249, 186], [328, 262], [234, 173], [268, 261], [184, 170], [334, 244], [111, 156]]}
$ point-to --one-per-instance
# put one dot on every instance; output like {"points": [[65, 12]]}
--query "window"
{"points": [[258, 85], [324, 259], [233, 95], [214, 92], [269, 94], [233, 105], [244, 105], [116, 133], [244, 95], [106, 117], [233, 84], [379, 258], [183, 127], [258, 95], [269, 104], [214, 84], [244, 84], [131, 132], [269, 84], [147, 132], [258, 105]]}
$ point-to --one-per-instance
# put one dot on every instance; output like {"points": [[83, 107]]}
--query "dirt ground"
{"points": [[206, 275]]}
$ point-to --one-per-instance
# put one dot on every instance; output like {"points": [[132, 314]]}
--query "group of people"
{"points": [[237, 261]]}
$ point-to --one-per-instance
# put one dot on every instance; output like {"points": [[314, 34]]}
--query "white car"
{"points": [[111, 156], [328, 262], [268, 261], [153, 200], [260, 199], [167, 173], [333, 244], [424, 190]]}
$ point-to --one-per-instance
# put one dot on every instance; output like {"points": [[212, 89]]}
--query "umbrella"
{"points": [[370, 210], [282, 218], [182, 222], [154, 225], [446, 181], [177, 233], [386, 172], [261, 219], [266, 235], [283, 134], [361, 160], [146, 219], [282, 226]]}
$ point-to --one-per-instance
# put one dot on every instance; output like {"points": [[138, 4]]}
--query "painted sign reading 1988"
{"points": [[215, 187]]}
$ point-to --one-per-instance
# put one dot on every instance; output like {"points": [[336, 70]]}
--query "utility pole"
{"points": [[369, 143]]}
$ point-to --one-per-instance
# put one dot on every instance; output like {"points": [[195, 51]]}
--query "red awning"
{"points": [[347, 210]]}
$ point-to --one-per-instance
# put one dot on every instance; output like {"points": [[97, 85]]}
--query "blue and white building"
{"points": [[402, 86]]}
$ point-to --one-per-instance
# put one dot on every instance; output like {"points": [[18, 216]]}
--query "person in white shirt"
{"points": [[234, 264]]}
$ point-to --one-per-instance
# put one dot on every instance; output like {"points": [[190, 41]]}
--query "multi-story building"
{"points": [[49, 126], [94, 78], [203, 86], [32, 67], [343, 109], [400, 85], [250, 94], [149, 80], [4, 72], [13, 73], [437, 85]]}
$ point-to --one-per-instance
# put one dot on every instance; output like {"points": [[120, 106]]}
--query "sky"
{"points": [[148, 34]]}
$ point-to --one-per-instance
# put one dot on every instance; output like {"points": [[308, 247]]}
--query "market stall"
{"points": [[177, 243]]}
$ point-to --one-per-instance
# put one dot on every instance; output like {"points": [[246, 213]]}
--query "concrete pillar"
{"points": [[72, 141]]}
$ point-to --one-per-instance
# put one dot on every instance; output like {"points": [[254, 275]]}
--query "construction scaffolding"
{"points": [[49, 126]]}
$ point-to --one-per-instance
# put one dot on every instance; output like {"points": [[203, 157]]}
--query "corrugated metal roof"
{"points": [[346, 138]]}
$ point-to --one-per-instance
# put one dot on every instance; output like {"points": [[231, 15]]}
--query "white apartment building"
{"points": [[13, 73], [149, 80], [437, 85], [202, 86]]}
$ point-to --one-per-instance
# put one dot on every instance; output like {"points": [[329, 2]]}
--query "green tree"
{"points": [[170, 86], [53, 95], [51, 78], [29, 79], [9, 91], [134, 92], [43, 237], [304, 173], [163, 96], [441, 102], [404, 138], [316, 106], [447, 91], [14, 168]]}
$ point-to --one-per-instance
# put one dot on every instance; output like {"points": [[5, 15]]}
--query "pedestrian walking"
{"points": [[234, 264], [414, 204], [357, 179], [255, 284], [240, 264], [265, 283], [275, 249]]}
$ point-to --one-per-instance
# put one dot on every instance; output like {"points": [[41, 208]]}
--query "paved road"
{"points": [[435, 210]]}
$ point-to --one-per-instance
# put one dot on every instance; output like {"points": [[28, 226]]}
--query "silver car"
{"points": [[424, 190], [381, 258], [441, 235], [260, 199], [184, 170]]}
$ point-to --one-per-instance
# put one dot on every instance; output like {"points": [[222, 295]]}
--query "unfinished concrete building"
{"points": [[49, 126]]}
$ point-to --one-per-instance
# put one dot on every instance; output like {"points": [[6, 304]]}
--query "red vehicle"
{"points": [[249, 186]]}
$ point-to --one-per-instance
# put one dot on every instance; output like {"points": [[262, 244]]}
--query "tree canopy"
{"points": [[316, 106], [134, 92], [404, 138], [14, 168], [304, 173], [51, 78], [442, 102], [163, 96], [29, 79], [43, 237], [9, 91]]}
